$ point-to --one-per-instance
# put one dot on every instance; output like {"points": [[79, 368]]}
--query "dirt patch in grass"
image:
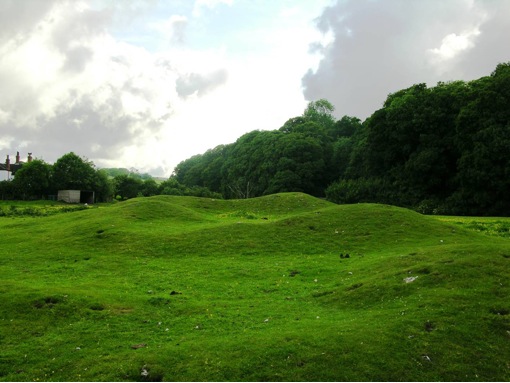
{"points": [[500, 311], [322, 293], [47, 302], [354, 286], [429, 326], [97, 307], [158, 301]]}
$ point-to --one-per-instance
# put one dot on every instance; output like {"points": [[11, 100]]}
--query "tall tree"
{"points": [[483, 139], [321, 112], [103, 186], [33, 179], [73, 172], [128, 187], [250, 164], [150, 188]]}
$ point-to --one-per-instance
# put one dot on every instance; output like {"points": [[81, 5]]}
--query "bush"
{"points": [[361, 190]]}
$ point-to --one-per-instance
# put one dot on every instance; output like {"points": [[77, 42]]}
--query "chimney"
{"points": [[17, 157], [29, 157], [8, 163]]}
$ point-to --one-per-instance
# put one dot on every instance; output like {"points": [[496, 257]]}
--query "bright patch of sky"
{"points": [[454, 44]]}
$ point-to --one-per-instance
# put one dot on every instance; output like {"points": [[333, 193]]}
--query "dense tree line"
{"points": [[443, 149], [39, 180], [300, 156], [127, 186]]}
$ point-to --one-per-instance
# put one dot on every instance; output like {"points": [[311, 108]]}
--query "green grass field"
{"points": [[190, 289]]}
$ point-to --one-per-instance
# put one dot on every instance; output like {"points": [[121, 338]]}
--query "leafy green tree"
{"points": [[295, 157], [410, 142], [76, 173], [188, 172], [213, 162], [440, 149], [342, 152], [173, 187], [321, 112], [73, 172], [203, 169], [33, 179], [103, 187], [250, 164], [300, 165], [127, 187], [149, 187], [200, 191], [145, 176], [346, 127], [361, 190], [7, 190], [284, 181], [483, 139], [292, 123], [113, 172]]}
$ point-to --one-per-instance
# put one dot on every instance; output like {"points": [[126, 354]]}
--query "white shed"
{"points": [[70, 196], [76, 196]]}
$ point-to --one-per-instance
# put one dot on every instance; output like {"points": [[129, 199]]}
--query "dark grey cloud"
{"points": [[379, 47], [80, 124], [179, 26], [19, 17], [73, 35], [200, 84], [77, 58]]}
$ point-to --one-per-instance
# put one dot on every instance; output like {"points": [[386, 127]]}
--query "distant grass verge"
{"points": [[36, 208], [492, 226]]}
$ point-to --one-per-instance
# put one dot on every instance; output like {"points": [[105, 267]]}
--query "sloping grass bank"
{"points": [[285, 287]]}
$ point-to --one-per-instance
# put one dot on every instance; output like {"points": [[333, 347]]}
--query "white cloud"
{"points": [[5, 143], [453, 44]]}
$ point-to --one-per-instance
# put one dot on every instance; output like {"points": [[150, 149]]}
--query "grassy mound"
{"points": [[284, 287]]}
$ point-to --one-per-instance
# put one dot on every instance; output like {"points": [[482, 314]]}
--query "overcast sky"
{"points": [[146, 84]]}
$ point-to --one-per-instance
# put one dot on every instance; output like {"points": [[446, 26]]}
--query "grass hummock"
{"points": [[186, 289]]}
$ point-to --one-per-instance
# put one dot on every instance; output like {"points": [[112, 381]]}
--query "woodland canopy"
{"points": [[442, 150]]}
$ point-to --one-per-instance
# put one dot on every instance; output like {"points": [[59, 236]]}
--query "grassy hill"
{"points": [[184, 288]]}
